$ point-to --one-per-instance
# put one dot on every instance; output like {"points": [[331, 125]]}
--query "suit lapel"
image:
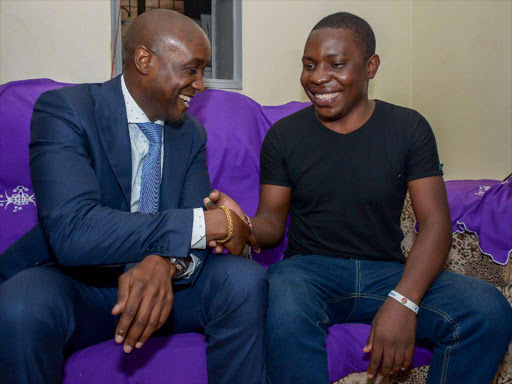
{"points": [[176, 147], [114, 135]]}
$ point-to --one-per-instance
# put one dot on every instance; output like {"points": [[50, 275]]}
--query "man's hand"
{"points": [[217, 198], [391, 339], [145, 299], [213, 201]]}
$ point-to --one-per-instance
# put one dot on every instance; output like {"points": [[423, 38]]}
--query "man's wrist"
{"points": [[404, 301], [229, 219], [411, 289], [249, 223], [216, 225]]}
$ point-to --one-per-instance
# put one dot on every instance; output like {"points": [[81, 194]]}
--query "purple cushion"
{"points": [[236, 127]]}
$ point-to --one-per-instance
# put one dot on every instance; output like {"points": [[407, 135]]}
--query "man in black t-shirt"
{"points": [[341, 169], [346, 199]]}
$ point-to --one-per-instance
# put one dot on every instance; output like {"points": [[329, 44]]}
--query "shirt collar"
{"points": [[134, 113]]}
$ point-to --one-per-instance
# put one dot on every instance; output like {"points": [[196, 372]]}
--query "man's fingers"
{"points": [[375, 359], [399, 360], [218, 248], [387, 360], [123, 289], [254, 243], [139, 322], [164, 315], [408, 356], [214, 196], [369, 343], [152, 326], [209, 205], [158, 317], [129, 312]]}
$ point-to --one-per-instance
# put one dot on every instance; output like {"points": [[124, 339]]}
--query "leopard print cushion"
{"points": [[504, 375], [412, 376]]}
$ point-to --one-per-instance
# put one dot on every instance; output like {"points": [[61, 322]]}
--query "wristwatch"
{"points": [[180, 265]]}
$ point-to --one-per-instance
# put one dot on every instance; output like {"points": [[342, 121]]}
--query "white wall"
{"points": [[462, 83], [274, 33], [451, 60], [67, 41]]}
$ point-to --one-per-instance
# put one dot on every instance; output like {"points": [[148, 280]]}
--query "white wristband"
{"points": [[405, 301]]}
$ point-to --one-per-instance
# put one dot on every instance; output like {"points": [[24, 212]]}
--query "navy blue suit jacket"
{"points": [[80, 162]]}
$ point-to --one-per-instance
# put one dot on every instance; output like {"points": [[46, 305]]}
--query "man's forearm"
{"points": [[426, 260], [268, 234], [97, 235]]}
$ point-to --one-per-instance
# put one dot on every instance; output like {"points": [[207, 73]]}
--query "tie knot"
{"points": [[152, 131]]}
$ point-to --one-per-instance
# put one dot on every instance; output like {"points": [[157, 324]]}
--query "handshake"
{"points": [[227, 226]]}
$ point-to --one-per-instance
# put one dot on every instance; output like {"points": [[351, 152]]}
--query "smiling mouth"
{"points": [[326, 96], [185, 99]]}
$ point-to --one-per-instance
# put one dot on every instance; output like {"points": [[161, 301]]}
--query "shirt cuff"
{"points": [[198, 239]]}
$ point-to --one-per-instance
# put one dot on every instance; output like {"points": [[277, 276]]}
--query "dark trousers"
{"points": [[47, 312], [469, 320]]}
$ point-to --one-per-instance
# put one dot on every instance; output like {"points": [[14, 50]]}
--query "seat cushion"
{"points": [[181, 358], [175, 359]]}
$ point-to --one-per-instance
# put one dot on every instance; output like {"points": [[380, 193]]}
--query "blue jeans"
{"points": [[46, 313], [469, 320]]}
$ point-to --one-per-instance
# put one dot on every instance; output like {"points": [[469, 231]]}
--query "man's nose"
{"points": [[320, 75], [198, 83]]}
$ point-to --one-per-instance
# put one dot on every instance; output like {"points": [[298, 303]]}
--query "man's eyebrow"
{"points": [[329, 55], [196, 62]]}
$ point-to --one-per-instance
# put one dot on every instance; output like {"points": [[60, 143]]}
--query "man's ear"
{"points": [[372, 66], [143, 60]]}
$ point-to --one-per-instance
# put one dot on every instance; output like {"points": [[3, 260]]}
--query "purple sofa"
{"points": [[236, 127]]}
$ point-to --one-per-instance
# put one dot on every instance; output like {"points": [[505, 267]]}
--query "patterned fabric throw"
{"points": [[150, 183]]}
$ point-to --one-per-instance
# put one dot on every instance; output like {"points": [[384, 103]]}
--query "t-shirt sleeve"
{"points": [[272, 163], [422, 157]]}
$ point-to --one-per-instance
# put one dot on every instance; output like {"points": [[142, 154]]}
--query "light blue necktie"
{"points": [[151, 169], [150, 183]]}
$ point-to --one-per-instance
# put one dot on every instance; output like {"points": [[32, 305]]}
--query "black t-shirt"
{"points": [[348, 190]]}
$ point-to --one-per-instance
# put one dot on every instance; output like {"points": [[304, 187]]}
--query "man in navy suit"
{"points": [[119, 171]]}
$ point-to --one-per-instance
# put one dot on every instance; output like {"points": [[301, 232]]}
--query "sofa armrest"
{"points": [[465, 257]]}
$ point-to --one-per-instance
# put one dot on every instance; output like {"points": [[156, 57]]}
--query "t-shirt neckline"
{"points": [[358, 131]]}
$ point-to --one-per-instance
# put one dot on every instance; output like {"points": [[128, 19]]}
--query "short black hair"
{"points": [[361, 30]]}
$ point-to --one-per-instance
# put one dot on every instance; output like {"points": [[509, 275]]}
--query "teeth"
{"points": [[326, 96], [186, 99]]}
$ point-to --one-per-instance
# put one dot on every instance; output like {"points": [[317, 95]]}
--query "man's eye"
{"points": [[308, 67], [338, 65], [191, 71]]}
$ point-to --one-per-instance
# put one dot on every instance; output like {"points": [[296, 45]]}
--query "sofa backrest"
{"points": [[18, 212], [236, 126]]}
